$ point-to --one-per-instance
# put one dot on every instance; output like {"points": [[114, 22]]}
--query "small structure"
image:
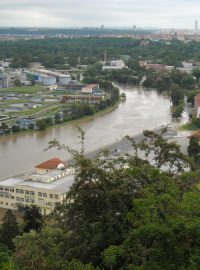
{"points": [[114, 64], [90, 88], [3, 81], [197, 105], [26, 123], [50, 165], [90, 99], [64, 79]]}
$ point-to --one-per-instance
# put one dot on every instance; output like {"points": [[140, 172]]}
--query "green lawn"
{"points": [[23, 89], [189, 126]]}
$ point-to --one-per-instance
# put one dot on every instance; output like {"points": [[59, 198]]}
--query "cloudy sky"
{"points": [[79, 13]]}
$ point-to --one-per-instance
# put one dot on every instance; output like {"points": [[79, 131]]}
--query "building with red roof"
{"points": [[50, 165]]}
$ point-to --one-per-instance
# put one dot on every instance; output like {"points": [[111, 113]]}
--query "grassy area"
{"points": [[188, 126], [23, 89]]}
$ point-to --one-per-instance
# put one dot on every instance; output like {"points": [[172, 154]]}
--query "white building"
{"points": [[64, 79], [45, 187], [114, 64]]}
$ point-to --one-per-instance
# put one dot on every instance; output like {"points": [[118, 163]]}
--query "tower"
{"points": [[196, 25], [105, 56]]}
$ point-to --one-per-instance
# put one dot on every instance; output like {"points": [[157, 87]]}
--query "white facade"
{"points": [[114, 64], [17, 192], [64, 79], [47, 80]]}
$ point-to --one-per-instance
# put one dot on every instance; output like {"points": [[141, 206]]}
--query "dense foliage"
{"points": [[119, 214]]}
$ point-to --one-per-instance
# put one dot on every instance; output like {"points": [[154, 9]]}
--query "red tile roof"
{"points": [[91, 86], [155, 66], [197, 100], [51, 164], [196, 135]]}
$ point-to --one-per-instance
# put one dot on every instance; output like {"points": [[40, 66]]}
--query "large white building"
{"points": [[45, 187], [114, 64]]}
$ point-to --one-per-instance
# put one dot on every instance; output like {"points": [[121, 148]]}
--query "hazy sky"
{"points": [[76, 13]]}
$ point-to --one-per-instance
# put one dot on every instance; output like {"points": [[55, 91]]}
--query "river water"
{"points": [[141, 110]]}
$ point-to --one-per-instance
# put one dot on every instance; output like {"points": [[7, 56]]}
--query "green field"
{"points": [[23, 89]]}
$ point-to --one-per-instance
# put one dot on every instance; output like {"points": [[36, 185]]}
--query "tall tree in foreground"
{"points": [[9, 230], [32, 218]]}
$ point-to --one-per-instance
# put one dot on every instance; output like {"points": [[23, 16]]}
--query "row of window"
{"points": [[30, 200], [44, 195], [7, 189], [28, 192]]}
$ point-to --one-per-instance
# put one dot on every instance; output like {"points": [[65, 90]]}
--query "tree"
{"points": [[194, 150], [41, 124], [164, 154], [6, 262], [17, 83], [177, 95], [32, 218], [188, 82], [41, 250], [9, 230], [111, 255], [196, 73]]}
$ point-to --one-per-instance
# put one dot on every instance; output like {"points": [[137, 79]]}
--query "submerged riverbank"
{"points": [[141, 110]]}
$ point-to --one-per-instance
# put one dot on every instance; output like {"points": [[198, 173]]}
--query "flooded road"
{"points": [[141, 110]]}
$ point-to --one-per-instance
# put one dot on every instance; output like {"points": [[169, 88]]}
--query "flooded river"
{"points": [[141, 110]]}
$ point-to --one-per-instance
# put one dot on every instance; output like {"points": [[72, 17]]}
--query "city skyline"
{"points": [[118, 13]]}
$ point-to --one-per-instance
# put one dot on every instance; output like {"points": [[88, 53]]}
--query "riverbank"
{"points": [[75, 122]]}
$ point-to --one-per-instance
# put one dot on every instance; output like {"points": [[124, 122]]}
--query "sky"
{"points": [[94, 13]]}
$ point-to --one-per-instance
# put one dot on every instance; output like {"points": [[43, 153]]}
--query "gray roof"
{"points": [[61, 185]]}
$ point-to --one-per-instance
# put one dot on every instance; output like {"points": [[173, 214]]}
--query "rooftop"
{"points": [[61, 185], [10, 182], [91, 86], [197, 100], [51, 164]]}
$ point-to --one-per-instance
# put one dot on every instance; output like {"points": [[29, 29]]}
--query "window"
{"points": [[51, 196], [6, 203], [26, 199], [6, 196], [40, 194], [56, 196], [12, 197], [1, 188], [6, 189], [26, 191], [12, 190], [32, 193], [44, 195], [21, 191], [17, 190], [19, 199]]}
